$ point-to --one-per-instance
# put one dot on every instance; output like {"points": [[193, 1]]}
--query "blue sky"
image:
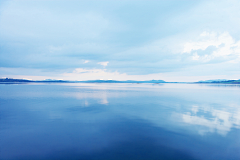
{"points": [[172, 40]]}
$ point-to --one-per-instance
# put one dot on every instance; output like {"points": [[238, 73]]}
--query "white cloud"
{"points": [[86, 61], [195, 56], [103, 63], [224, 43], [93, 74], [81, 70], [207, 39]]}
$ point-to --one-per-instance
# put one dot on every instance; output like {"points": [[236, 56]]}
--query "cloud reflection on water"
{"points": [[101, 120], [207, 118], [221, 121]]}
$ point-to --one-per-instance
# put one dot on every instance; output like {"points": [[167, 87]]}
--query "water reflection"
{"points": [[223, 85], [101, 96], [119, 121], [212, 119]]}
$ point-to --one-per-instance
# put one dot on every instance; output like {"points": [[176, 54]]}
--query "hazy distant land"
{"points": [[12, 80]]}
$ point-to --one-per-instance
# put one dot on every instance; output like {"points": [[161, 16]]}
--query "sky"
{"points": [[171, 40]]}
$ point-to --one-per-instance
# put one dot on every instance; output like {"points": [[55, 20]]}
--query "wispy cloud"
{"points": [[103, 63]]}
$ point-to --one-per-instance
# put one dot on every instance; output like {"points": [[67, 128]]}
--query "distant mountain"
{"points": [[128, 81], [14, 80], [51, 80], [11, 80], [225, 81], [8, 80], [214, 80]]}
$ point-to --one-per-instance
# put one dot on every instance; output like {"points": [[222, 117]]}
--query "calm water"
{"points": [[120, 121]]}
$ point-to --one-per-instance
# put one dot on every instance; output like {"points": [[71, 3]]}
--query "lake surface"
{"points": [[120, 121]]}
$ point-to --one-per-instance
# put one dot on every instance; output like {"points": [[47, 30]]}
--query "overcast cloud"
{"points": [[176, 40]]}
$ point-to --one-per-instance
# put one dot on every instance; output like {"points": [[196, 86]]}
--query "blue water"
{"points": [[120, 121]]}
